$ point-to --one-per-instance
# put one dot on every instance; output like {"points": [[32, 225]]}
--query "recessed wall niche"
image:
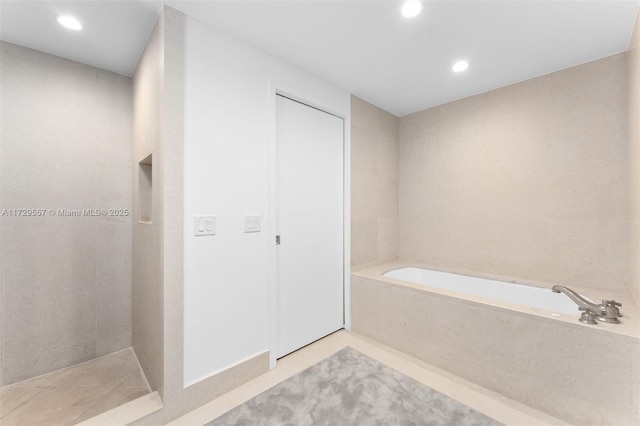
{"points": [[145, 185]]}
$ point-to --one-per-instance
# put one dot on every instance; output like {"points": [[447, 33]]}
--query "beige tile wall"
{"points": [[374, 184], [633, 56], [527, 182], [66, 144], [148, 238], [544, 363]]}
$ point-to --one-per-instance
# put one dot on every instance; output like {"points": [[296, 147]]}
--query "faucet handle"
{"points": [[587, 316], [610, 303]]}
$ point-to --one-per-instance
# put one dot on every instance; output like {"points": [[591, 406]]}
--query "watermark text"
{"points": [[65, 212]]}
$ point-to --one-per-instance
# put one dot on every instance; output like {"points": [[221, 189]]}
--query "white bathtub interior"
{"points": [[519, 294]]}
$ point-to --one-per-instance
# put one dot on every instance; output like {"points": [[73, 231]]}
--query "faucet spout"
{"points": [[579, 300], [606, 312]]}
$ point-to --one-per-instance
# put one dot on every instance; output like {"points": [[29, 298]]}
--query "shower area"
{"points": [[66, 240], [82, 230]]}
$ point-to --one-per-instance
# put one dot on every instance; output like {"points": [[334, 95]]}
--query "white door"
{"points": [[310, 168]]}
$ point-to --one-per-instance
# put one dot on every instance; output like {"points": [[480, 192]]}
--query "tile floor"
{"points": [[492, 404], [71, 395], [75, 394]]}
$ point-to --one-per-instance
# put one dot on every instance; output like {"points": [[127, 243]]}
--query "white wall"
{"points": [[229, 99]]}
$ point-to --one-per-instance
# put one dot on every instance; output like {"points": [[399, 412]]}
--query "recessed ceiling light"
{"points": [[69, 22], [460, 66], [411, 8]]}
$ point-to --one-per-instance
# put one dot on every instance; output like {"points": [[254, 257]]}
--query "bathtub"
{"points": [[519, 294], [523, 342]]}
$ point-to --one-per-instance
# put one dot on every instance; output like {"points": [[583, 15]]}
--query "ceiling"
{"points": [[113, 36], [365, 47]]}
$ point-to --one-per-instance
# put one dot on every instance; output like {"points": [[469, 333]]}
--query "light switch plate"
{"points": [[204, 225], [252, 223]]}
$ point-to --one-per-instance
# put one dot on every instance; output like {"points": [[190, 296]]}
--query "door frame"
{"points": [[273, 91]]}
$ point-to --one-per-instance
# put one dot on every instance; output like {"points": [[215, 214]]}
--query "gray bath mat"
{"points": [[349, 388]]}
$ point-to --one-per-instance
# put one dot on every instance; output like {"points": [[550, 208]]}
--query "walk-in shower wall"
{"points": [[527, 182], [148, 206], [66, 269], [374, 184], [633, 56]]}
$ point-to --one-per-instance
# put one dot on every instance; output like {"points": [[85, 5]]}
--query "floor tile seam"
{"points": [[6, 388], [21, 405]]}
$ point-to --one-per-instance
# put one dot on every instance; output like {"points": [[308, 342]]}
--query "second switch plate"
{"points": [[252, 223]]}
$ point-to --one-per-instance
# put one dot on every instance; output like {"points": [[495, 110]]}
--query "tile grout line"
{"points": [[23, 403]]}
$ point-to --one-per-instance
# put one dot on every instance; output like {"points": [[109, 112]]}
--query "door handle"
{"points": [[277, 240]]}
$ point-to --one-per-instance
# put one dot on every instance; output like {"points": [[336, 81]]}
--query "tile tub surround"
{"points": [[66, 144], [527, 181], [374, 184], [550, 364]]}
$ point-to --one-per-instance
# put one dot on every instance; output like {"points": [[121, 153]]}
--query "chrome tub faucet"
{"points": [[607, 311]]}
